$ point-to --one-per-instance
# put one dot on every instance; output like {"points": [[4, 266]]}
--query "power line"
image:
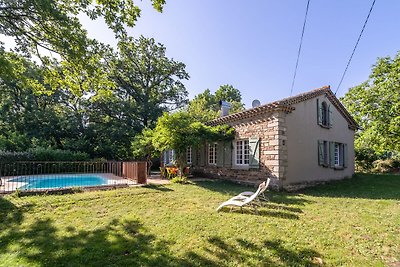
{"points": [[355, 47], [298, 52]]}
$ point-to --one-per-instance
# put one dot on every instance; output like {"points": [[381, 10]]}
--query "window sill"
{"points": [[325, 126], [338, 168]]}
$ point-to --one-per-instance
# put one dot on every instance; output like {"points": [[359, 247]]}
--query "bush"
{"points": [[6, 156], [43, 154], [180, 180], [386, 166], [48, 154], [365, 157]]}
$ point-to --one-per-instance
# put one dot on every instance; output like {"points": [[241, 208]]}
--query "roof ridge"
{"points": [[285, 104]]}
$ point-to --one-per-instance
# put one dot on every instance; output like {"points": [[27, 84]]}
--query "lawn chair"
{"points": [[261, 197], [241, 201]]}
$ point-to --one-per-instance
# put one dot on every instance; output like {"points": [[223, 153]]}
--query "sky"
{"points": [[253, 45]]}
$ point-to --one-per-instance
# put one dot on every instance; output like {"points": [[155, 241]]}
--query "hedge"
{"points": [[43, 154]]}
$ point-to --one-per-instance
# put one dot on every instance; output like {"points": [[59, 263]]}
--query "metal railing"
{"points": [[49, 176]]}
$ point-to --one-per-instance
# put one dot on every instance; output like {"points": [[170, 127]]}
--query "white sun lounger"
{"points": [[241, 201]]}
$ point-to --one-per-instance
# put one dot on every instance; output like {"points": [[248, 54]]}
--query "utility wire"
{"points": [[298, 52], [355, 47]]}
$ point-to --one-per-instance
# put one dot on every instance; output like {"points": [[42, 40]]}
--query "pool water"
{"points": [[48, 181]]}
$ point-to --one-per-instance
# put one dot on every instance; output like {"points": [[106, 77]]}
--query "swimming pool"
{"points": [[58, 181]]}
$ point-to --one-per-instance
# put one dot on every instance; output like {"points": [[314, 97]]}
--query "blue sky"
{"points": [[253, 44]]}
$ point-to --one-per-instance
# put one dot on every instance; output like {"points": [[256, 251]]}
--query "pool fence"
{"points": [[53, 176]]}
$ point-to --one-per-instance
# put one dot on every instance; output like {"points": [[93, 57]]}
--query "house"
{"points": [[296, 141]]}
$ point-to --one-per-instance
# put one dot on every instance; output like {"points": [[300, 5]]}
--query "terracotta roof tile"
{"points": [[286, 106]]}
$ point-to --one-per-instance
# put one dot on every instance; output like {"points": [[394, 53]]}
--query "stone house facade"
{"points": [[296, 141]]}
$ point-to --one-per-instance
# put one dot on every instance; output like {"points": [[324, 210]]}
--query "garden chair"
{"points": [[261, 196], [241, 201]]}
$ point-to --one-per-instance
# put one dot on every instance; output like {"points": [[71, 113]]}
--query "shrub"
{"points": [[180, 180], [386, 166], [48, 154], [365, 157], [43, 154], [6, 156]]}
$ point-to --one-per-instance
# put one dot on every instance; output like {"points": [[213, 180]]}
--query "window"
{"points": [[242, 152], [332, 154], [189, 155], [324, 114], [171, 155], [339, 155], [212, 153]]}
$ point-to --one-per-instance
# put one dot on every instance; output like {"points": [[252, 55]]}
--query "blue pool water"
{"points": [[49, 181]]}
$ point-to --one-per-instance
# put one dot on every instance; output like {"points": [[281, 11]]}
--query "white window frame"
{"points": [[240, 147], [189, 155], [212, 154], [171, 156]]}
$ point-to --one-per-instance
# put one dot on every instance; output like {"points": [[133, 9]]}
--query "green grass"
{"points": [[349, 223]]}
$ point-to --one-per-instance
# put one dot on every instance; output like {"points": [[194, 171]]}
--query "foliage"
{"points": [[375, 104], [101, 123], [364, 158], [43, 154], [180, 180], [148, 83], [54, 26], [205, 106], [348, 223], [386, 165], [178, 131]]}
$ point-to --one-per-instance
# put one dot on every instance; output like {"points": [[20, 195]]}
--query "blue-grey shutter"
{"points": [[329, 116], [332, 154], [202, 155], [319, 112], [321, 152], [345, 156], [254, 144], [228, 154], [194, 155], [220, 154]]}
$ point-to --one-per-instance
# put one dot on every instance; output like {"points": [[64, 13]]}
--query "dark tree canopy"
{"points": [[205, 106]]}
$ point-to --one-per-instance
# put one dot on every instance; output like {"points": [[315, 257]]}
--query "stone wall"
{"points": [[271, 130]]}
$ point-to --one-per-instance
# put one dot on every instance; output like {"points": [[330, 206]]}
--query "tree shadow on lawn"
{"points": [[368, 186], [247, 253], [158, 187], [128, 243]]}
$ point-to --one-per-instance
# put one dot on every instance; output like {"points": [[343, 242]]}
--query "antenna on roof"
{"points": [[255, 103]]}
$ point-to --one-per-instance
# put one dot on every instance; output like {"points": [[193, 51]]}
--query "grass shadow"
{"points": [[367, 186], [158, 187]]}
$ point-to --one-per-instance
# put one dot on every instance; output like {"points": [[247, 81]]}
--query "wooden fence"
{"points": [[135, 171]]}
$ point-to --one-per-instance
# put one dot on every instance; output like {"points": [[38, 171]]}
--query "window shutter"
{"points": [[321, 152], [220, 154], [330, 116], [254, 144], [345, 156], [202, 155], [332, 154], [319, 112], [227, 154], [194, 155]]}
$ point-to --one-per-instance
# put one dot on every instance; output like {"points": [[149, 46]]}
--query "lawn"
{"points": [[349, 223]]}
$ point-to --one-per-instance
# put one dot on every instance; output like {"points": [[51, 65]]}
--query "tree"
{"points": [[205, 106], [143, 148], [375, 105], [54, 26], [178, 131], [150, 82]]}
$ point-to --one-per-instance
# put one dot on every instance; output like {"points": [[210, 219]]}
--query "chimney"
{"points": [[225, 106]]}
